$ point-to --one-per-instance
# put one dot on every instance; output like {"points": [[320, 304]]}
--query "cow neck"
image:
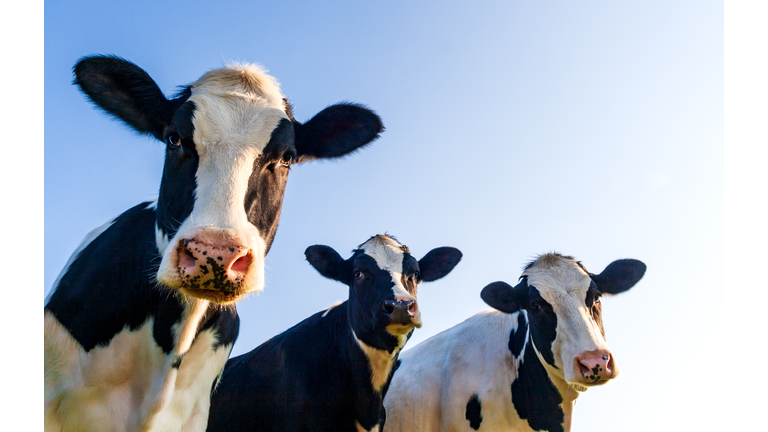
{"points": [[185, 332], [372, 381], [557, 378]]}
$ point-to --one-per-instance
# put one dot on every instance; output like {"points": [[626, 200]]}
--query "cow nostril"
{"points": [[388, 307], [241, 264], [186, 259]]}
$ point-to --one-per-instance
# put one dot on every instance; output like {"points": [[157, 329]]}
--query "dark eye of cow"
{"points": [[288, 157], [174, 140], [535, 306], [359, 276]]}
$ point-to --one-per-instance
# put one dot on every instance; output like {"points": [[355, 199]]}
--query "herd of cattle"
{"points": [[141, 321]]}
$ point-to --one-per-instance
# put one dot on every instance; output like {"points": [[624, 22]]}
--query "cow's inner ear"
{"points": [[329, 263]]}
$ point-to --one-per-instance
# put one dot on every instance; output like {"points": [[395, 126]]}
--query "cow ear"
{"points": [[501, 296], [438, 262], [125, 91], [336, 131], [619, 276], [329, 263]]}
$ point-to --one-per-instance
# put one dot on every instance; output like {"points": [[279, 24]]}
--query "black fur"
{"points": [[474, 412], [535, 398], [543, 324], [110, 285], [619, 276], [518, 336], [312, 377]]}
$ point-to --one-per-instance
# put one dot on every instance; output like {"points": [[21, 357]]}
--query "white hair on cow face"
{"points": [[236, 110], [563, 282]]}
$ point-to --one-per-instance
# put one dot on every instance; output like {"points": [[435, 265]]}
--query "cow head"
{"points": [[562, 302], [230, 141], [383, 280]]}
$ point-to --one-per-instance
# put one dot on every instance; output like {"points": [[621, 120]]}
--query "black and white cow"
{"points": [[520, 369], [331, 371], [141, 320]]}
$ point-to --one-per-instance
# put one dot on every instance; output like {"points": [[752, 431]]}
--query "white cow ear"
{"points": [[619, 276], [501, 296], [438, 262], [329, 263]]}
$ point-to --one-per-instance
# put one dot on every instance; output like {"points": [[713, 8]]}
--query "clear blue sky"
{"points": [[513, 128]]}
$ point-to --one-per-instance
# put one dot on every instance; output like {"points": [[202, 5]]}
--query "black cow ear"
{"points": [[619, 276], [501, 296], [336, 131], [438, 262], [329, 263], [125, 91]]}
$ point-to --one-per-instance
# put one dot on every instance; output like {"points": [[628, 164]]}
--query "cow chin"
{"points": [[401, 329]]}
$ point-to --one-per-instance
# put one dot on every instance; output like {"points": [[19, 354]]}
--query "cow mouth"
{"points": [[216, 296], [399, 329]]}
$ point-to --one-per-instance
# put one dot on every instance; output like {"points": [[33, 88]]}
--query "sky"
{"points": [[591, 128]]}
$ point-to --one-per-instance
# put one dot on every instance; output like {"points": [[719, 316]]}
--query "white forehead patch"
{"points": [[386, 251], [556, 277], [236, 106]]}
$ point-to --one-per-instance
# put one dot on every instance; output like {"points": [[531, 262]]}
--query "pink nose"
{"points": [[595, 365], [213, 265]]}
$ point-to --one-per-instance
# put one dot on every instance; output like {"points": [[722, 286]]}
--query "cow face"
{"points": [[562, 302], [230, 142], [383, 279]]}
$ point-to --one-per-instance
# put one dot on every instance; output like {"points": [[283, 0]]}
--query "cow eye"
{"points": [[288, 157], [416, 275], [536, 306], [174, 140], [359, 275]]}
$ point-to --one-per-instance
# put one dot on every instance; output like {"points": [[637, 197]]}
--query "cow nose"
{"points": [[213, 266], [400, 311], [595, 366]]}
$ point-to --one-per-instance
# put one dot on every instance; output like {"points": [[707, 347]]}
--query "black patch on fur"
{"points": [[518, 336], [535, 398], [312, 377], [177, 362], [111, 285], [473, 414], [595, 307], [266, 185], [543, 324]]}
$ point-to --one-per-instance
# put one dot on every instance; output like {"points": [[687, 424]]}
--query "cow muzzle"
{"points": [[403, 315], [595, 367], [213, 267]]}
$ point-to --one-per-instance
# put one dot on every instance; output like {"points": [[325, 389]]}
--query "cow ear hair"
{"points": [[438, 262], [336, 131], [501, 296], [126, 92], [328, 263], [619, 276]]}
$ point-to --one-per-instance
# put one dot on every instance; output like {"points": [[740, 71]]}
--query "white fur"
{"points": [[388, 255], [431, 388], [237, 109], [564, 284], [129, 385]]}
